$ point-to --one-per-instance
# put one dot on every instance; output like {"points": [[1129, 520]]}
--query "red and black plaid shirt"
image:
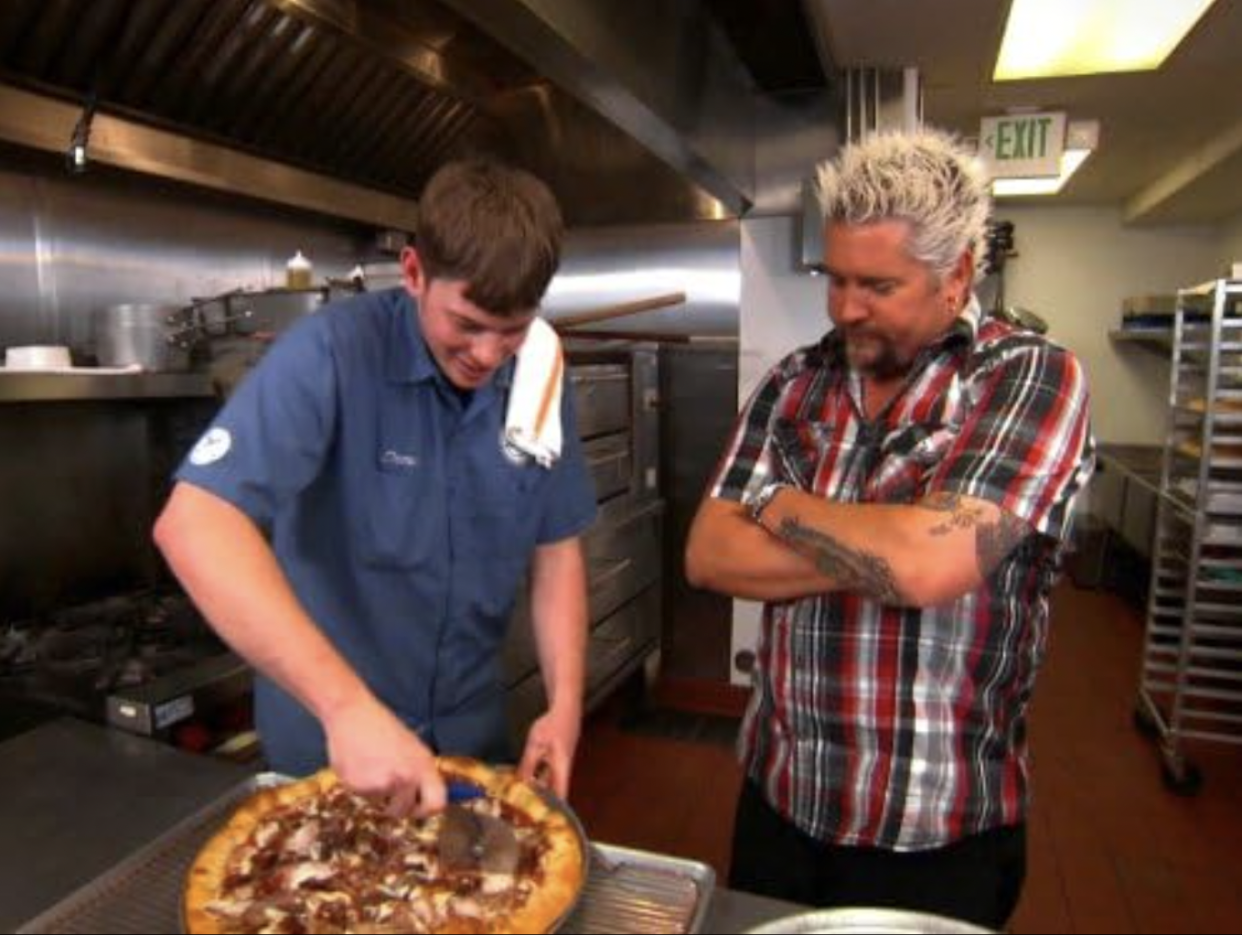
{"points": [[899, 727]]}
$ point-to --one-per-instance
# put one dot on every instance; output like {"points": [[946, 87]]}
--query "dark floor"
{"points": [[1111, 850]]}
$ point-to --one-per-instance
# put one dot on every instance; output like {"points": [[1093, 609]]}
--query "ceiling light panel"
{"points": [[1054, 38]]}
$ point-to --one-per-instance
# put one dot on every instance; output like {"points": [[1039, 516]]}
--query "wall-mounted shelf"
{"points": [[1157, 340], [85, 387]]}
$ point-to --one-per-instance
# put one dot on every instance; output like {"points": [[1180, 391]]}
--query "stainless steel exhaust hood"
{"points": [[635, 112]]}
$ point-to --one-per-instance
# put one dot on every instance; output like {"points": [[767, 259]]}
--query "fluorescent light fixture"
{"points": [[1071, 159], [1052, 38]]}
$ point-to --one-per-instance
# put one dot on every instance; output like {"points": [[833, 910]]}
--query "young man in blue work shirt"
{"points": [[351, 525]]}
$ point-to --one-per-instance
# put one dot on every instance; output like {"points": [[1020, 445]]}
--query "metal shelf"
{"points": [[1159, 340], [29, 387], [1193, 642]]}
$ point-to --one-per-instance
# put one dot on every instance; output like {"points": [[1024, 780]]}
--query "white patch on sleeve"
{"points": [[211, 447]]}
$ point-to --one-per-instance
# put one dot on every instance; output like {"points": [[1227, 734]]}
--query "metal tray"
{"points": [[625, 891]]}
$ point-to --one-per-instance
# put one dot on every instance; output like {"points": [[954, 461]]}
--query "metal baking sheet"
{"points": [[626, 890]]}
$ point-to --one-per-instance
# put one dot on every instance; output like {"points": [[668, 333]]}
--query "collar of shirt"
{"points": [[409, 358]]}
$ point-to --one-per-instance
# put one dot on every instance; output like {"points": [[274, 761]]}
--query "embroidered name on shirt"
{"points": [[395, 459]]}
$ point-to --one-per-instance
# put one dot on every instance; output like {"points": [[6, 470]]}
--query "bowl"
{"points": [[38, 357], [864, 919]]}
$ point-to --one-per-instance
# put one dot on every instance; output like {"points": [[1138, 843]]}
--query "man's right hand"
{"points": [[376, 755]]}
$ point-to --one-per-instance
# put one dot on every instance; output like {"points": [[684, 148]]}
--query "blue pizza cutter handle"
{"points": [[460, 791]]}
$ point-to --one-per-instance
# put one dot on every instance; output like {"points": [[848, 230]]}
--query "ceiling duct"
{"points": [[377, 94], [873, 100]]}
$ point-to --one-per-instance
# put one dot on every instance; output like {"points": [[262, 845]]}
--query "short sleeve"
{"points": [[270, 439], [1026, 443], [747, 462]]}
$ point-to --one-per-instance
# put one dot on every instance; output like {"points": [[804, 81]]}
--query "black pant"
{"points": [[977, 879]]}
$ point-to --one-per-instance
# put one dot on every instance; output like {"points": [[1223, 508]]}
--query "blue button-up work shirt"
{"points": [[399, 521]]}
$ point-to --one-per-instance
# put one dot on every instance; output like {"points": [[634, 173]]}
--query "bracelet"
{"points": [[759, 502]]}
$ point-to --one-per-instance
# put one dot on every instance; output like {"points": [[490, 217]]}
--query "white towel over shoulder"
{"points": [[533, 419]]}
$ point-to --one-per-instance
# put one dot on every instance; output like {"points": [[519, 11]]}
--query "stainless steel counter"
{"points": [[75, 799], [735, 911]]}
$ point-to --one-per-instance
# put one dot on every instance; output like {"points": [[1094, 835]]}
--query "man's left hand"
{"points": [[549, 754]]}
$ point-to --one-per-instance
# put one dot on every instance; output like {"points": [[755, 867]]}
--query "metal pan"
{"points": [[268, 780]]}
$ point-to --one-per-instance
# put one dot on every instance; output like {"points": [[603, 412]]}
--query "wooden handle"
{"points": [[618, 311]]}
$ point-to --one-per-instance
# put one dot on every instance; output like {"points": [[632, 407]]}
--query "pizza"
{"points": [[311, 856]]}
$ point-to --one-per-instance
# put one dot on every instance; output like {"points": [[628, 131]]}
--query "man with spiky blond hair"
{"points": [[898, 495]]}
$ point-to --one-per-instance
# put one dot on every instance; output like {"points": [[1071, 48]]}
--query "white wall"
{"points": [[1230, 244], [1074, 268], [781, 309]]}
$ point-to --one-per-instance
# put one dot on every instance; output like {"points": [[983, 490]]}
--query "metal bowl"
{"points": [[860, 920]]}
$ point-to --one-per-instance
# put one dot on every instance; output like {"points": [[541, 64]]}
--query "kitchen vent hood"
{"points": [[632, 116]]}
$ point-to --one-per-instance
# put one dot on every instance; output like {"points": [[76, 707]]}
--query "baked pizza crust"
{"points": [[562, 862], [206, 875]]}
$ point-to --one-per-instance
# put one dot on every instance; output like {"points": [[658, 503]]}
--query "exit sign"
{"points": [[1022, 145]]}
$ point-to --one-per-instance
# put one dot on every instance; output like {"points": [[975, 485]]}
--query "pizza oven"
{"points": [[616, 396]]}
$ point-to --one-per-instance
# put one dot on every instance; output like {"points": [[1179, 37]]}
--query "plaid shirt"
{"points": [[894, 727]]}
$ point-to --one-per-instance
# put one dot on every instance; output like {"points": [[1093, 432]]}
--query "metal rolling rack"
{"points": [[1191, 679]]}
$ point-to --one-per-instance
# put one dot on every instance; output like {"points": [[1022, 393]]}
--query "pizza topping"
{"points": [[332, 861]]}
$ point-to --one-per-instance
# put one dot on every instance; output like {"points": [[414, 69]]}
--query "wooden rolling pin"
{"points": [[619, 310]]}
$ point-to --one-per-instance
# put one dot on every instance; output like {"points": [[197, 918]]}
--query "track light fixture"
{"points": [[75, 157]]}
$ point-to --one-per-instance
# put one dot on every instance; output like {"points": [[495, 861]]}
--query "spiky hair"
{"points": [[925, 177]]}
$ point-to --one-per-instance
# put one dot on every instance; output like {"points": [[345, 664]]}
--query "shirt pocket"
{"points": [[403, 516], [908, 458], [798, 449], [506, 513]]}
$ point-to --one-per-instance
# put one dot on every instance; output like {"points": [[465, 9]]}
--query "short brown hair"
{"points": [[494, 227]]}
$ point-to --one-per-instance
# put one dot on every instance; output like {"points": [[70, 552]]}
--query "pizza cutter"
{"points": [[473, 841]]}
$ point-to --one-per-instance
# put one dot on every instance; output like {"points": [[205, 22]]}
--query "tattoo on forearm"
{"points": [[852, 569], [961, 515], [994, 541]]}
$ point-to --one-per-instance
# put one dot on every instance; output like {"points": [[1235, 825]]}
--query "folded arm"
{"points": [[920, 555]]}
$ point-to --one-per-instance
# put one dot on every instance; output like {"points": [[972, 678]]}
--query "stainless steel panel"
{"points": [[382, 92], [623, 552], [87, 386], [678, 89], [601, 397], [153, 337], [1138, 517], [609, 460], [27, 313], [623, 559], [1107, 494], [624, 531], [75, 245], [698, 389], [77, 495], [617, 264], [48, 124], [646, 413], [618, 646]]}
